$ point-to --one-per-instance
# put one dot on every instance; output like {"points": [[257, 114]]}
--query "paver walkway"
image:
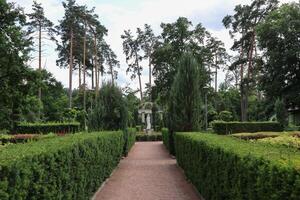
{"points": [[148, 173]]}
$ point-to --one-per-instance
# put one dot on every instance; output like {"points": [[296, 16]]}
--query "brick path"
{"points": [[148, 173]]}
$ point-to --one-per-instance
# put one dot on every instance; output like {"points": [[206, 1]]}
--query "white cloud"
{"points": [[119, 16]]}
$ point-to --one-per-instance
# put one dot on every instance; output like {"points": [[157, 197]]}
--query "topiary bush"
{"points": [[110, 112], [226, 168], [68, 167], [225, 116], [222, 128]]}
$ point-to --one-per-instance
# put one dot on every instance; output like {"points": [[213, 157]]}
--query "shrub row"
{"points": [[152, 137], [222, 128], [68, 167], [129, 138], [168, 140], [223, 167], [44, 128]]}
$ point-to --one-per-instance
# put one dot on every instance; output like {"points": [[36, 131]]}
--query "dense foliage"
{"points": [[47, 169], [185, 98], [222, 167], [110, 112], [223, 128], [45, 128]]}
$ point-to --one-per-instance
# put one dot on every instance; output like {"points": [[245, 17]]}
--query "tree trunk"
{"points": [[242, 88], [84, 68], [71, 69], [216, 75], [139, 74], [112, 74], [96, 68], [79, 75], [93, 78], [40, 67]]}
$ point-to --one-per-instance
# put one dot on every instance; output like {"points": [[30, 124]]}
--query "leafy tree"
{"points": [[281, 113], [15, 76], [112, 62], [176, 39], [185, 100], [110, 113], [132, 48], [40, 24], [278, 37], [225, 116], [148, 42], [242, 27]]}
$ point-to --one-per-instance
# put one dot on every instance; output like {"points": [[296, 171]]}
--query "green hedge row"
{"points": [[223, 167], [129, 138], [223, 128], [44, 128], [168, 140], [152, 137], [66, 167]]}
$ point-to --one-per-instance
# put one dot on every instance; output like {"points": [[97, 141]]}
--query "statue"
{"points": [[148, 122]]}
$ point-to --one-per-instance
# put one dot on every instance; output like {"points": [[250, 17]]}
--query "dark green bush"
{"points": [[227, 168], [129, 139], [110, 111], [45, 128], [168, 140], [222, 128], [152, 137], [225, 116], [68, 167]]}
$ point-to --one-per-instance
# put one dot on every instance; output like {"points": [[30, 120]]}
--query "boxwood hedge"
{"points": [[44, 128], [223, 167], [67, 167], [168, 140], [152, 137], [129, 139], [222, 128]]}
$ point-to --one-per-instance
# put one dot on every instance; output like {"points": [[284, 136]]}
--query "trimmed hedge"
{"points": [[152, 137], [223, 128], [44, 128], [129, 138], [223, 167], [68, 167], [168, 140]]}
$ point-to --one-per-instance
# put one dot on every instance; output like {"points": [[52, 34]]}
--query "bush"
{"points": [[129, 139], [221, 127], [185, 100], [225, 116], [168, 140], [152, 137], [281, 113], [44, 128], [223, 167], [110, 112], [69, 167]]}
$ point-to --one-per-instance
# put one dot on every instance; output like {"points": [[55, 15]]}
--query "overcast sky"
{"points": [[120, 15]]}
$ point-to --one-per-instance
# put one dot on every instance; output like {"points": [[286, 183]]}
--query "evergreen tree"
{"points": [[40, 24], [132, 48], [185, 100]]}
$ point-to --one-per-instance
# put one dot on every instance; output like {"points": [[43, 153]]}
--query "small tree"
{"points": [[110, 112], [225, 116], [185, 101], [281, 113]]}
